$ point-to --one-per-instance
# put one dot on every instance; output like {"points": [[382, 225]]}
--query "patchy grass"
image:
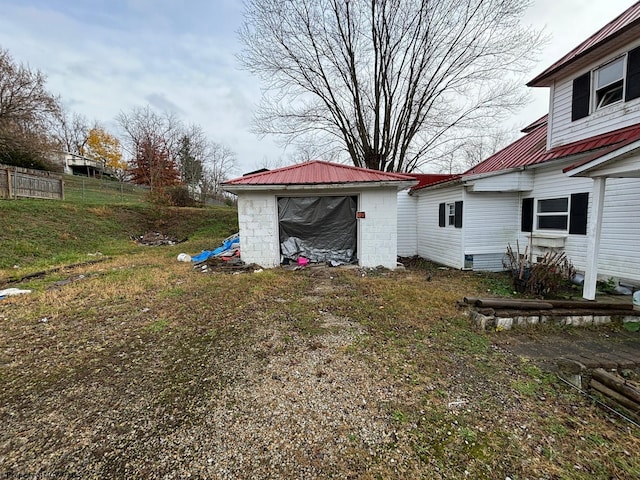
{"points": [[38, 235], [144, 368], [79, 190]]}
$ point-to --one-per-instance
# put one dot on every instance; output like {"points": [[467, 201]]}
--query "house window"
{"points": [[450, 214], [559, 214], [617, 81], [608, 83], [553, 214]]}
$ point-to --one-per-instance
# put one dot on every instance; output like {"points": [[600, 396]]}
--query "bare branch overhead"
{"points": [[393, 82]]}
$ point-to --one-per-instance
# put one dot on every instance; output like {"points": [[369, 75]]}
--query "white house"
{"points": [[74, 164], [319, 211], [572, 183]]}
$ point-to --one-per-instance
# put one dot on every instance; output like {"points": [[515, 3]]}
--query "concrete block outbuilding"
{"points": [[321, 211]]}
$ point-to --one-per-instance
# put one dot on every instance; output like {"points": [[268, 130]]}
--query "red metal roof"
{"points": [[531, 149], [426, 179], [604, 144], [317, 172], [625, 21], [527, 150]]}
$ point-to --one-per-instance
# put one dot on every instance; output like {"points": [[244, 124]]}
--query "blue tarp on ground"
{"points": [[228, 244]]}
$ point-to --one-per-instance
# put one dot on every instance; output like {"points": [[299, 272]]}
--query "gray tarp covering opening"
{"points": [[321, 229]]}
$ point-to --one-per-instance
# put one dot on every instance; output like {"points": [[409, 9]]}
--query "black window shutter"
{"points": [[441, 221], [578, 214], [457, 220], [632, 89], [526, 219], [580, 98]]}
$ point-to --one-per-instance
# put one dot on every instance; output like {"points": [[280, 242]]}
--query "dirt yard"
{"points": [[146, 368]]}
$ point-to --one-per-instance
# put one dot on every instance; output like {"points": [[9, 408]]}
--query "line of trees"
{"points": [[166, 152], [160, 150]]}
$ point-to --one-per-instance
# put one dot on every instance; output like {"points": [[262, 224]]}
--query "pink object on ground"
{"points": [[303, 261]]}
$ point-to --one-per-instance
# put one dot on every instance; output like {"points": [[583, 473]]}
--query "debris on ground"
{"points": [[230, 248], [155, 239], [66, 281], [184, 257], [234, 265], [9, 292]]}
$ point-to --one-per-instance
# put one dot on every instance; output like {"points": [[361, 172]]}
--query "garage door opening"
{"points": [[321, 229]]}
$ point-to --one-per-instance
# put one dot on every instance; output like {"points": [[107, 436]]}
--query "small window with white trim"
{"points": [[608, 83], [553, 214], [451, 213]]}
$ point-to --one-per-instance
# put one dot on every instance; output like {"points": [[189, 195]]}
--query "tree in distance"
{"points": [[27, 110]]}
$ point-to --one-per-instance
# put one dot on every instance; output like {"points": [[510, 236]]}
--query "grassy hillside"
{"points": [[37, 234], [79, 189]]}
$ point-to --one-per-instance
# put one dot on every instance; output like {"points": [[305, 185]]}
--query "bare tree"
{"points": [[220, 163], [475, 149], [70, 131], [395, 83], [151, 140], [26, 113], [192, 150]]}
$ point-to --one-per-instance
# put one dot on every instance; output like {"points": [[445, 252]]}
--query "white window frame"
{"points": [[608, 88], [451, 214], [566, 213]]}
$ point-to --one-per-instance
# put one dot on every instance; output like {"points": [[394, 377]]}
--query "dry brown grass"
{"points": [[145, 368]]}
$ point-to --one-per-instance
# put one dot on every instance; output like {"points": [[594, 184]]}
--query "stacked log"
{"points": [[617, 391], [504, 312]]}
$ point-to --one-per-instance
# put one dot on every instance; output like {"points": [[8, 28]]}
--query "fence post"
{"points": [[9, 182]]}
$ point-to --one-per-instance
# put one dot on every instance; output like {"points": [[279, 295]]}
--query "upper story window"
{"points": [[609, 83], [615, 82]]}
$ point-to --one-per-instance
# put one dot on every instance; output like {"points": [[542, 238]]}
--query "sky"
{"points": [[106, 56]]}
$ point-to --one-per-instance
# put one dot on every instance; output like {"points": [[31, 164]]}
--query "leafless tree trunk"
{"points": [[395, 83], [219, 164]]}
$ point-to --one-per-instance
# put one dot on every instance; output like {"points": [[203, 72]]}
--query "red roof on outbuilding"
{"points": [[318, 172], [618, 26]]}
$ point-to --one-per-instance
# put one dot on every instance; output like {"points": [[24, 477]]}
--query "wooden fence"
{"points": [[16, 182]]}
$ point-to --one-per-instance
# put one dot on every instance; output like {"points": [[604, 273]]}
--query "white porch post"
{"points": [[593, 238]]}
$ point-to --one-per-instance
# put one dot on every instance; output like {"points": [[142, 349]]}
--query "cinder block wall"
{"points": [[378, 230], [377, 236], [258, 222]]}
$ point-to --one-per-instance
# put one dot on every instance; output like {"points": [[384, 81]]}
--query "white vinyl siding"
{"points": [[407, 224], [492, 222], [620, 241], [619, 254], [439, 244], [563, 131], [550, 182]]}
